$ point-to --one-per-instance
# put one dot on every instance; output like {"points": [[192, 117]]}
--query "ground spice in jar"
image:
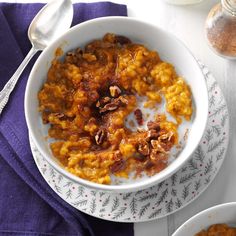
{"points": [[221, 29]]}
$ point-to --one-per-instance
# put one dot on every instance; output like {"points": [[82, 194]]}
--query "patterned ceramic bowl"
{"points": [[169, 48]]}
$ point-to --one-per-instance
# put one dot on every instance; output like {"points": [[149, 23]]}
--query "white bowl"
{"points": [[220, 214], [169, 48]]}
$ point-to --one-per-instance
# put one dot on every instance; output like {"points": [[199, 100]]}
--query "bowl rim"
{"points": [[130, 187], [202, 214]]}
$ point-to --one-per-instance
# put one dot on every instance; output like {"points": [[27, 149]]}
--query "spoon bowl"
{"points": [[57, 16], [52, 21]]}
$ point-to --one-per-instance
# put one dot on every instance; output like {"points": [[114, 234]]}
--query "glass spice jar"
{"points": [[221, 29]]}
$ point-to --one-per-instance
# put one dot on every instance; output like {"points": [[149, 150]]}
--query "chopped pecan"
{"points": [[92, 120], [45, 116], [58, 115], [143, 148], [153, 125], [115, 91], [166, 137], [72, 57], [148, 165], [113, 104], [167, 146], [117, 166], [152, 134], [122, 39], [157, 146], [117, 155], [109, 107], [70, 53], [148, 79], [138, 156], [81, 163], [100, 136], [93, 95], [98, 104], [139, 116], [103, 101], [139, 130], [123, 100], [78, 51], [158, 156]]}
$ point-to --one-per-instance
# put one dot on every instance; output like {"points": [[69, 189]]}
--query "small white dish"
{"points": [[220, 214]]}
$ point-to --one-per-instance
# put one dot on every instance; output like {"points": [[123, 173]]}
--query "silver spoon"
{"points": [[51, 21]]}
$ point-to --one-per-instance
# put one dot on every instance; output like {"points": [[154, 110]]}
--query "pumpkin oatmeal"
{"points": [[218, 230], [88, 96]]}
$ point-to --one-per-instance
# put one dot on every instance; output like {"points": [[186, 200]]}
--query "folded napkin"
{"points": [[27, 204]]}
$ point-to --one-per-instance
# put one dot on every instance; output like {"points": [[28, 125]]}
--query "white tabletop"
{"points": [[187, 23]]}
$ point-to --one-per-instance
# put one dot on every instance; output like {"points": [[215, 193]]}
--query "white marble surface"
{"points": [[187, 23]]}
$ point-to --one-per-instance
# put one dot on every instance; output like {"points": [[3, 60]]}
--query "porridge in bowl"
{"points": [[89, 97], [218, 230]]}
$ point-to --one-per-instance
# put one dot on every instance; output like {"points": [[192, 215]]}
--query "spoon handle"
{"points": [[9, 86]]}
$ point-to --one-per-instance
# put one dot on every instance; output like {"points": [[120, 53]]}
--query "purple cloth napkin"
{"points": [[27, 204]]}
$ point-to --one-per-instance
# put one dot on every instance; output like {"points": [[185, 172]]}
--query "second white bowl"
{"points": [[220, 214]]}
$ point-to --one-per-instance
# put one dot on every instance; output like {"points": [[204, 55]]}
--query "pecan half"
{"points": [[139, 116], [115, 91], [153, 125], [143, 148], [117, 166], [100, 136]]}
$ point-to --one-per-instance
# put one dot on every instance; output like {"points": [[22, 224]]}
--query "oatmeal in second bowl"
{"points": [[116, 108]]}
